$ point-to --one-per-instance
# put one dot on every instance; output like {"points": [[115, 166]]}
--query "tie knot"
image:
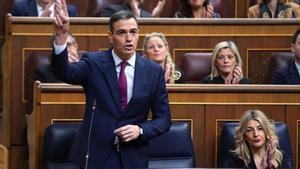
{"points": [[123, 64]]}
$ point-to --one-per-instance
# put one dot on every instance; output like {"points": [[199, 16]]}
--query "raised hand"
{"points": [[237, 75], [168, 73], [158, 8], [209, 10], [135, 6], [271, 150], [61, 22]]}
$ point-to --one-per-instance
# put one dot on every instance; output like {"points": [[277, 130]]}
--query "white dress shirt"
{"points": [[129, 69], [298, 67]]}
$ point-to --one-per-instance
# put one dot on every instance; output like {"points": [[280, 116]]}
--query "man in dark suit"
{"points": [[41, 8], [121, 88], [290, 74], [135, 7]]}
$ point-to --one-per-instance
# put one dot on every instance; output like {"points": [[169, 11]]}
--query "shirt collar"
{"points": [[40, 9], [118, 60], [298, 67]]}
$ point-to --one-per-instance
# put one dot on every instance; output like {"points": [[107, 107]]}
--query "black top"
{"points": [[178, 14], [220, 80], [235, 162]]}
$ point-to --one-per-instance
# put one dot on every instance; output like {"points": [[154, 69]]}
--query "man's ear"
{"points": [[110, 36], [292, 47]]}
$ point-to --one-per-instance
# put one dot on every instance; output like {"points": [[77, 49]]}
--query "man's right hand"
{"points": [[61, 22]]}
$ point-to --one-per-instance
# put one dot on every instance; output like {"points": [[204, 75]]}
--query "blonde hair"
{"points": [[168, 62], [241, 148], [224, 45]]}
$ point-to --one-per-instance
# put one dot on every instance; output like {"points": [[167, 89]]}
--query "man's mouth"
{"points": [[129, 47]]}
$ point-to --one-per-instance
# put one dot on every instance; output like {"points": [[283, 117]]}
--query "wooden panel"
{"points": [[293, 123], [194, 113], [206, 107], [16, 158], [3, 157]]}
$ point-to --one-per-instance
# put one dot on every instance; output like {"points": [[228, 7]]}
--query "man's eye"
{"points": [[121, 32], [134, 32]]}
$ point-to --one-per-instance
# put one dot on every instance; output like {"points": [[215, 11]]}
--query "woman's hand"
{"points": [[208, 11], [271, 150], [158, 8], [168, 73], [235, 76]]}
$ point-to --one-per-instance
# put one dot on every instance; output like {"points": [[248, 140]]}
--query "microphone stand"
{"points": [[89, 137]]}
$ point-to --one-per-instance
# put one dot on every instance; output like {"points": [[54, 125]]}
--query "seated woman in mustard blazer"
{"points": [[274, 9]]}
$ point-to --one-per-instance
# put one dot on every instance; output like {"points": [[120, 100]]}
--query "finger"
{"points": [[210, 8], [127, 136], [57, 7], [64, 7], [59, 22], [124, 128]]}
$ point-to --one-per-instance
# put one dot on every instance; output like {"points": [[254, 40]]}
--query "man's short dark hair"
{"points": [[294, 38], [120, 15]]}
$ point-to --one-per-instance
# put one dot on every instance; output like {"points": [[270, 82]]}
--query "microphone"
{"points": [[89, 137]]}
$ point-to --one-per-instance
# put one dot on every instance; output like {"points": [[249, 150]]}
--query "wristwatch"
{"points": [[141, 131]]}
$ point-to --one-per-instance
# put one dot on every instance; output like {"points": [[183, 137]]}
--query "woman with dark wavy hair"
{"points": [[196, 9]]}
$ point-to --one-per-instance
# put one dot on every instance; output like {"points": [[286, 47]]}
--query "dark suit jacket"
{"points": [[111, 9], [29, 8], [97, 74], [287, 75]]}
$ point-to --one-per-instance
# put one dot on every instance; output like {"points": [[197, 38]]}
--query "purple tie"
{"points": [[123, 86]]}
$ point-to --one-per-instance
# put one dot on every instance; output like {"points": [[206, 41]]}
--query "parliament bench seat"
{"points": [[164, 151]]}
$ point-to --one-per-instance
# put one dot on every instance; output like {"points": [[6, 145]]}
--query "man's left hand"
{"points": [[128, 133]]}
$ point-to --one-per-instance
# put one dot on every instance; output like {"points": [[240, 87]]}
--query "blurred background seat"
{"points": [[195, 66], [173, 149], [277, 61]]}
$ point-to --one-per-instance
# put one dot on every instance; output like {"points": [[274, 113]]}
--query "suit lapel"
{"points": [[110, 73]]}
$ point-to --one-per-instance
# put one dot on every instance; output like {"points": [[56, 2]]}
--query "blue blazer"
{"points": [[97, 74], [287, 75], [29, 8]]}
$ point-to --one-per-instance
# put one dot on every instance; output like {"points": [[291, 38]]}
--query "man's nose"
{"points": [[128, 37]]}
